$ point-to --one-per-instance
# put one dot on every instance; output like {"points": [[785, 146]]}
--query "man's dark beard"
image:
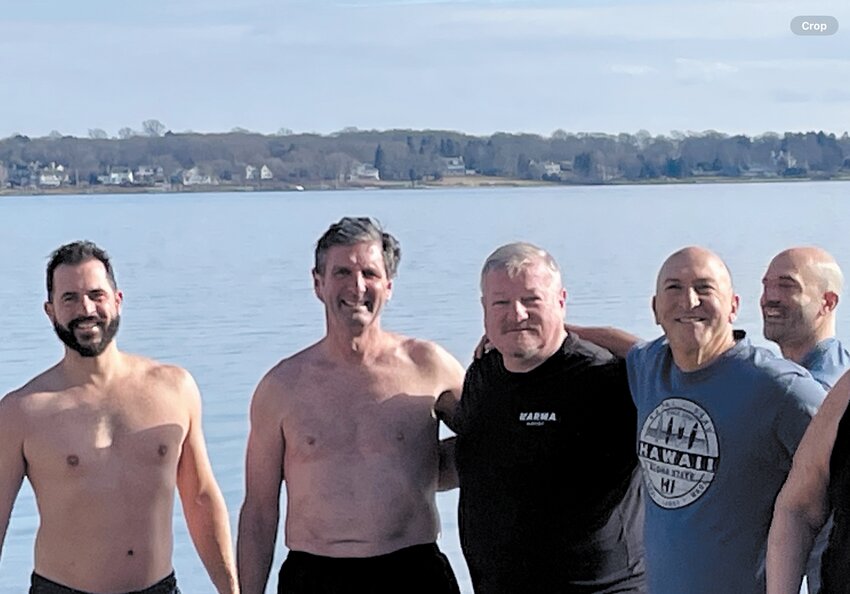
{"points": [[107, 333]]}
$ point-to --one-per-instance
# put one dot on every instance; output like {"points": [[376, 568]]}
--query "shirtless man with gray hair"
{"points": [[104, 437], [349, 425]]}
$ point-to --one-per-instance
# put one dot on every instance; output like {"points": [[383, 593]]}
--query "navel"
{"points": [[311, 440], [72, 460], [399, 436], [130, 553], [163, 449]]}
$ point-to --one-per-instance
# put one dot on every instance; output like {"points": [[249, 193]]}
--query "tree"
{"points": [[54, 135], [153, 128], [284, 132], [125, 133], [98, 134], [379, 162]]}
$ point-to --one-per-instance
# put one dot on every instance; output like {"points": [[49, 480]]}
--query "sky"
{"points": [[473, 66]]}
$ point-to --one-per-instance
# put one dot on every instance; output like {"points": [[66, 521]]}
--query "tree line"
{"points": [[404, 155]]}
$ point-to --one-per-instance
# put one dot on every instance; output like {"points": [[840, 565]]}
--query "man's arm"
{"points": [[203, 504], [12, 464], [451, 380], [613, 339], [802, 505], [260, 515]]}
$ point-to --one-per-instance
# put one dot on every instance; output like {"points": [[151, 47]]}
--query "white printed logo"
{"points": [[533, 419], [678, 451]]}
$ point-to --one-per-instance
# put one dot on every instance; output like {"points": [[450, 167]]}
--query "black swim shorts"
{"points": [[40, 585], [420, 569]]}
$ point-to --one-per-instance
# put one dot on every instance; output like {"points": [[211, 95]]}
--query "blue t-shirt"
{"points": [[716, 446], [827, 362]]}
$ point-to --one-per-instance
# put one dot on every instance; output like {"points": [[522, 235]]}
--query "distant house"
{"points": [[266, 173], [551, 168], [193, 177], [146, 174], [250, 172], [363, 172], [453, 166], [120, 176], [52, 176]]}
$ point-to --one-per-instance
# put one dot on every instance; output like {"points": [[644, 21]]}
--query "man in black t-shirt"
{"points": [[550, 493]]}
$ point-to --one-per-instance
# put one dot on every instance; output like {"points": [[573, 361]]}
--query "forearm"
{"points": [[209, 526], [789, 542], [615, 340], [255, 548]]}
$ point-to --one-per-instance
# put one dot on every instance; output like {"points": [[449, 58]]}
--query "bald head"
{"points": [[801, 289], [691, 258], [816, 264]]}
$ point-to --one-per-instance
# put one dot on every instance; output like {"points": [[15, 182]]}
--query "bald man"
{"points": [[718, 423], [801, 290]]}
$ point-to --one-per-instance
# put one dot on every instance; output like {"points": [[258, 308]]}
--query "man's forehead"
{"points": [[365, 252], [790, 264], [703, 266], [534, 275], [87, 268]]}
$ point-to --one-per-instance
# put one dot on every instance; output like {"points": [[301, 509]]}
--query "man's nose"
{"points": [[360, 283], [88, 306], [520, 313], [692, 297]]}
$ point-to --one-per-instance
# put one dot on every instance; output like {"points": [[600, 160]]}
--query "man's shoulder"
{"points": [[158, 372], [424, 352], [649, 350], [593, 354]]}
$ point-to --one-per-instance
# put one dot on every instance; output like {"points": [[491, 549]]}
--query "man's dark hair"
{"points": [[353, 230], [75, 253]]}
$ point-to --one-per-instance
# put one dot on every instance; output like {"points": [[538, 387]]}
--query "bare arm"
{"points": [[615, 340], [802, 505], [12, 465], [451, 373], [260, 515], [203, 503]]}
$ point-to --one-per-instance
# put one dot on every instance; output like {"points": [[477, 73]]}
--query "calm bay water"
{"points": [[220, 284]]}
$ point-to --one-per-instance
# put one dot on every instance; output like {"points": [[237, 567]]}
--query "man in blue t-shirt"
{"points": [[718, 422], [801, 289], [802, 286]]}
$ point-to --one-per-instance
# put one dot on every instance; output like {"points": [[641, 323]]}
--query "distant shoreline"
{"points": [[448, 182]]}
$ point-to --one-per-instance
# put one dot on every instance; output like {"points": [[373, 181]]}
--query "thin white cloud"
{"points": [[691, 71]]}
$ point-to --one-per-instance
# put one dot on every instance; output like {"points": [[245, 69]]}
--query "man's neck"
{"points": [[693, 360], [97, 370], [357, 346], [797, 351]]}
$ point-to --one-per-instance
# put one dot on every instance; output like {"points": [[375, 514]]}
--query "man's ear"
{"points": [[317, 284], [829, 301], [654, 311], [736, 303]]}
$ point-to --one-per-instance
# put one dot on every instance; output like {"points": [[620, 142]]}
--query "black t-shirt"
{"points": [[550, 492], [835, 563]]}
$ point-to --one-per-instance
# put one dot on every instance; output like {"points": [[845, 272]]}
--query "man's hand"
{"points": [[484, 346]]}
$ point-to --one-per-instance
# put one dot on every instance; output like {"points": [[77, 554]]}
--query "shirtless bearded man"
{"points": [[349, 424], [104, 437]]}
